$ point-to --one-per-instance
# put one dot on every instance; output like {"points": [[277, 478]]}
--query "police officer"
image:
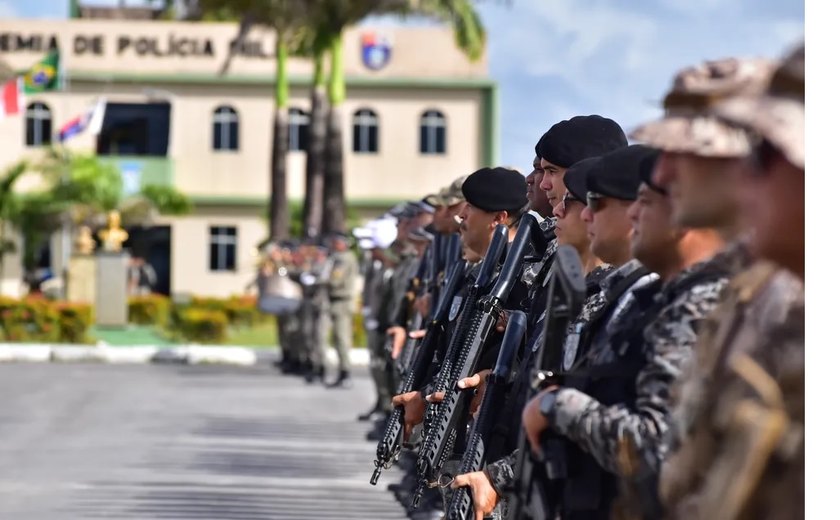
{"points": [[313, 275], [701, 166], [341, 290], [754, 358], [377, 238], [611, 190], [566, 142], [493, 196], [537, 198]]}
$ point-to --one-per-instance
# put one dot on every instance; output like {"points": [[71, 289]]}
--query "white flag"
{"points": [[97, 116]]}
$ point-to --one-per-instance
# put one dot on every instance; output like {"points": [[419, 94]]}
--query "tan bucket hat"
{"points": [[689, 125], [778, 114]]}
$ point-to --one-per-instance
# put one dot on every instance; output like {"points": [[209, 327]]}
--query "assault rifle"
{"points": [[534, 497], [388, 449], [498, 244], [448, 255], [461, 506], [440, 436]]}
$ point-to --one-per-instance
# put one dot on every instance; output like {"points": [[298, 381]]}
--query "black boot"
{"points": [[343, 376], [316, 373]]}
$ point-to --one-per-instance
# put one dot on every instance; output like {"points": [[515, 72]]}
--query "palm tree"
{"points": [[333, 17], [287, 19], [9, 206]]}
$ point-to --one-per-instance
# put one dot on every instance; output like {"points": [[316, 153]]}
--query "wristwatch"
{"points": [[547, 404]]}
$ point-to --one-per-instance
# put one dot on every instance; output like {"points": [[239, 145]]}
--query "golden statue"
{"points": [[113, 236], [84, 241]]}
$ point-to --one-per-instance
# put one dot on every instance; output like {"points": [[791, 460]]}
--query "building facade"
{"points": [[183, 110]]}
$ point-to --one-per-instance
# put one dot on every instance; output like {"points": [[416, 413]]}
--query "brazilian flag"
{"points": [[43, 76]]}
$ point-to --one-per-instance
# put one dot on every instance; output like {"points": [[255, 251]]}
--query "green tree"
{"points": [[287, 19], [333, 18], [9, 206], [314, 28], [76, 189]]}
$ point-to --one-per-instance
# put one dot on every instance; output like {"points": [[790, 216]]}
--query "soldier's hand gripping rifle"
{"points": [[534, 496], [389, 447], [440, 436], [461, 506]]}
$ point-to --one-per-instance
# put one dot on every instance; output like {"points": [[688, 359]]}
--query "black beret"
{"points": [[537, 147], [618, 175], [646, 167], [575, 178], [580, 137], [496, 189]]}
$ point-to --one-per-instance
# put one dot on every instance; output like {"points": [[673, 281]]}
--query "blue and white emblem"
{"points": [[376, 51]]}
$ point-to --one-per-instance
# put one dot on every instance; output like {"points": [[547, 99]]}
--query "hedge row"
{"points": [[202, 320], [35, 319], [207, 320]]}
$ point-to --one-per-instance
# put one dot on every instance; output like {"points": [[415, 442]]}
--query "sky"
{"points": [[554, 59]]}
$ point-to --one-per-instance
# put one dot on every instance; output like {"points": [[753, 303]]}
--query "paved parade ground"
{"points": [[185, 442]]}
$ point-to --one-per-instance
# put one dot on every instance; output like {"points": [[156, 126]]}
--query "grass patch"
{"points": [[260, 335], [130, 335]]}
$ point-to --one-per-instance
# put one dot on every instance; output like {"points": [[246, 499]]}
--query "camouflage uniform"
{"points": [[344, 270], [313, 278], [735, 442], [746, 392], [394, 290], [378, 276], [501, 473], [668, 340], [740, 409]]}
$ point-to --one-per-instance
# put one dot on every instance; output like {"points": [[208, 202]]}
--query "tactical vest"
{"points": [[588, 491]]}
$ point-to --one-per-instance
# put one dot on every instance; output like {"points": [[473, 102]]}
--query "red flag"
{"points": [[11, 101]]}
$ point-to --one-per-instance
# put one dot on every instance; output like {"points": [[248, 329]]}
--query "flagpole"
{"points": [[65, 177]]}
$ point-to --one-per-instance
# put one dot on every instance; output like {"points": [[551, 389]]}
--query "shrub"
{"points": [[74, 320], [241, 311], [202, 326], [152, 309], [30, 319]]}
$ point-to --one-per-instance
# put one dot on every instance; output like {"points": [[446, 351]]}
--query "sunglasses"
{"points": [[564, 203], [594, 201]]}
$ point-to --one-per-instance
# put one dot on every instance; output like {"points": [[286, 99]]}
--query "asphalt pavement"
{"points": [[184, 442]]}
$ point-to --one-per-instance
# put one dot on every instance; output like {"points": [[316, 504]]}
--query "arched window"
{"points": [[298, 130], [225, 129], [432, 132], [365, 131], [38, 124]]}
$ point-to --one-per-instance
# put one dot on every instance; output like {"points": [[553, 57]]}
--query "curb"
{"points": [[182, 354]]}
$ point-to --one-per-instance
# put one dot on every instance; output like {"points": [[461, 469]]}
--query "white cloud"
{"points": [[555, 59]]}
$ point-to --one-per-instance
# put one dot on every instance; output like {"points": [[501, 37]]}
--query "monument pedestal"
{"points": [[112, 289], [81, 279]]}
